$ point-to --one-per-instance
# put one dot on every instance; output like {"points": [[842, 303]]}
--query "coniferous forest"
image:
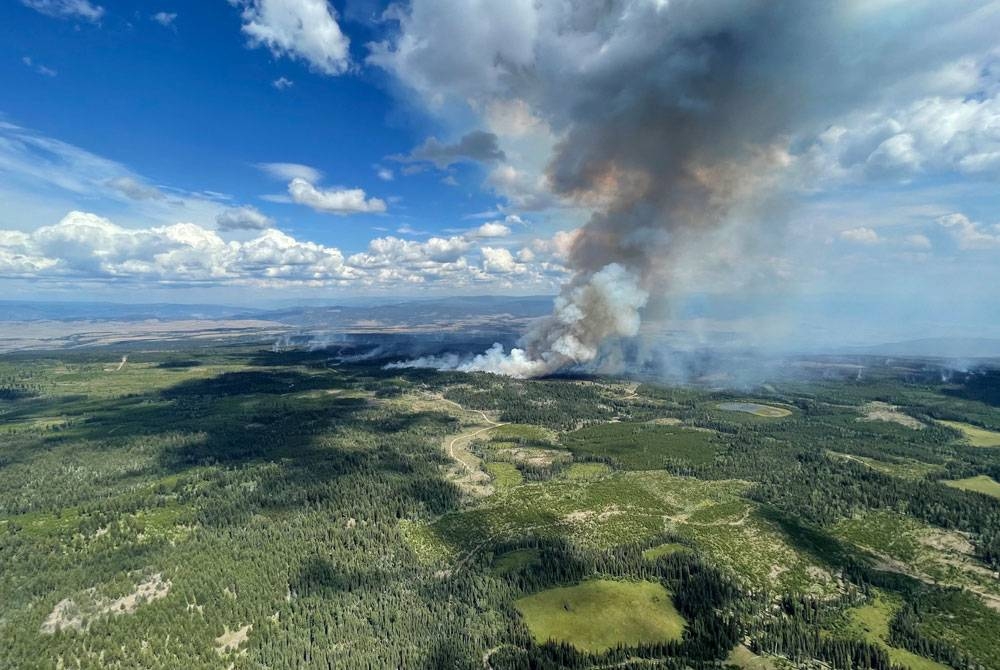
{"points": [[236, 507]]}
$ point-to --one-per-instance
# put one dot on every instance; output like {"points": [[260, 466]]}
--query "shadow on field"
{"points": [[307, 442]]}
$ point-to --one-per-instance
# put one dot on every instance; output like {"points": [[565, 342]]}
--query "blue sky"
{"points": [[264, 150]]}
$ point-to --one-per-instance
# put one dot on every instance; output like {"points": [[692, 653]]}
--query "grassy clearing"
{"points": [[633, 446], [505, 475], [586, 470], [743, 658], [522, 433], [979, 484], [599, 614], [974, 435], [666, 549], [757, 409], [871, 623], [512, 561], [904, 468]]}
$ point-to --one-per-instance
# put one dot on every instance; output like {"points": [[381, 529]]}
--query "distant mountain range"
{"points": [[25, 310], [934, 347], [398, 312]]}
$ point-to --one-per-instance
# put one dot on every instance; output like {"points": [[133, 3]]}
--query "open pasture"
{"points": [[974, 435], [599, 614]]}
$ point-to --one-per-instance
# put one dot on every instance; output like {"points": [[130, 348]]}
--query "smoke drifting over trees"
{"points": [[679, 122]]}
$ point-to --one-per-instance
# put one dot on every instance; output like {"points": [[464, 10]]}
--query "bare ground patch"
{"points": [[70, 614], [230, 640], [883, 411]]}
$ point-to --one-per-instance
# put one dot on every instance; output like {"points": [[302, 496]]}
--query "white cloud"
{"points": [[67, 9], [485, 40], [497, 260], [289, 171], [86, 247], [305, 29], [243, 218], [932, 135], [969, 234], [492, 229], [393, 251], [385, 174], [282, 83], [512, 118], [860, 235], [526, 190], [165, 19], [333, 201]]}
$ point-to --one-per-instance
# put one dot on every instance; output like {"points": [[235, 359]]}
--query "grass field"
{"points": [[633, 446], [665, 549], [598, 615], [768, 411], [905, 468], [871, 623], [505, 475], [979, 484], [974, 435], [513, 561], [743, 658]]}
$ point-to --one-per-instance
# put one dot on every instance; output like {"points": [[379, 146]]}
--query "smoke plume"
{"points": [[679, 121]]}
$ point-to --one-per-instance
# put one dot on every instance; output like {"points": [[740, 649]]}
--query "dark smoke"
{"points": [[685, 123]]}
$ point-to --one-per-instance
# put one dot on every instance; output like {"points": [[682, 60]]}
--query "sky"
{"points": [[256, 151]]}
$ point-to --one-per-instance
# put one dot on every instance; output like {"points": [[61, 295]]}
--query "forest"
{"points": [[236, 507]]}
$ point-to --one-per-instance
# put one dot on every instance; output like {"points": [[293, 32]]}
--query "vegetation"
{"points": [[237, 507], [974, 435], [600, 614], [979, 484], [633, 446]]}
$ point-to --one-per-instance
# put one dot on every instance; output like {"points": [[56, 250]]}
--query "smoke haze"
{"points": [[687, 128]]}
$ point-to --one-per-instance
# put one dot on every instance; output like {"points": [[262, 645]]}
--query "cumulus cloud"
{"points": [[289, 171], [134, 189], [393, 252], [500, 260], [243, 218], [165, 19], [862, 235], [492, 229], [385, 174], [478, 146], [970, 235], [959, 134], [86, 247], [333, 201], [67, 9], [304, 29]]}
